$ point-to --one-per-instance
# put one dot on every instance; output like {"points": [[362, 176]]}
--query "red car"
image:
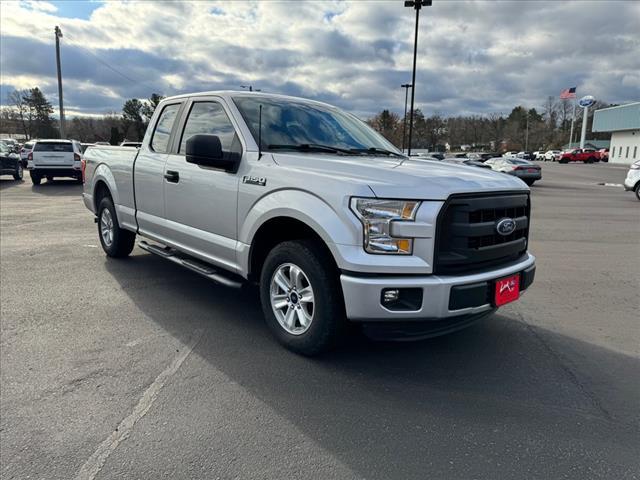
{"points": [[604, 154], [586, 155]]}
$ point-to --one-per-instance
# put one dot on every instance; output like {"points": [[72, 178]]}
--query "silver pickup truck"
{"points": [[332, 222]]}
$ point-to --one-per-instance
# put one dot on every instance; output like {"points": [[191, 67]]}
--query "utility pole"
{"points": [[406, 87], [417, 5], [58, 33], [526, 136]]}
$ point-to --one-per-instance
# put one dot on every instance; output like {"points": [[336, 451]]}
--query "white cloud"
{"points": [[473, 56], [39, 5]]}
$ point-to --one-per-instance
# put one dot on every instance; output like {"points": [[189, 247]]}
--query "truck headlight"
{"points": [[376, 216]]}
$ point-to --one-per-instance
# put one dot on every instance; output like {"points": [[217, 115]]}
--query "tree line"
{"points": [[29, 114], [530, 129]]}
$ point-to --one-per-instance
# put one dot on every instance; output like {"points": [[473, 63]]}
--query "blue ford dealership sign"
{"points": [[586, 101]]}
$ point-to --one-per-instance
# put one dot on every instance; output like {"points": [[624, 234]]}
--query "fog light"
{"points": [[390, 295]]}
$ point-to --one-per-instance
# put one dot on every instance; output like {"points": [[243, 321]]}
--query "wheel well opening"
{"points": [[275, 231], [100, 192]]}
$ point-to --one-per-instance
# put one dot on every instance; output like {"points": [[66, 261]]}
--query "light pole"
{"points": [[406, 87], [250, 88], [58, 36], [416, 5]]}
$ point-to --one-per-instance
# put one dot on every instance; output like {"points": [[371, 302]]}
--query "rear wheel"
{"points": [[591, 159], [35, 178], [116, 242], [638, 191], [301, 297], [19, 173]]}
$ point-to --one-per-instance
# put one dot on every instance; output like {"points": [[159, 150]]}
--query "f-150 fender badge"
{"points": [[251, 180]]}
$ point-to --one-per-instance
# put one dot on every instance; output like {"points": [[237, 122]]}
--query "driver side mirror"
{"points": [[206, 150]]}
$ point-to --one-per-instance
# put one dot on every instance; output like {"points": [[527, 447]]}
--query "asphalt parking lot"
{"points": [[140, 369]]}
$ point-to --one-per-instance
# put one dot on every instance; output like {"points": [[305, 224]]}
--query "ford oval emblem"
{"points": [[586, 101], [506, 226]]}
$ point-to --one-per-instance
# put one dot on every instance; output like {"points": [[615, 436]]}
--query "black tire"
{"points": [[591, 159], [35, 178], [19, 173], [49, 178], [328, 325], [123, 241], [637, 190], [563, 161]]}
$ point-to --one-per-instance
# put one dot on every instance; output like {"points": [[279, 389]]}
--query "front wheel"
{"points": [[638, 191], [116, 242], [301, 297], [591, 159], [19, 173]]}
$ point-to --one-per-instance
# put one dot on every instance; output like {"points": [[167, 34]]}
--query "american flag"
{"points": [[568, 93]]}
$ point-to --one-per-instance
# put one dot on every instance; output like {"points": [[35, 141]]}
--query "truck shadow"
{"points": [[501, 392], [58, 188]]}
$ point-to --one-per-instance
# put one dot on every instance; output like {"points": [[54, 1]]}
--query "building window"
{"points": [[635, 152], [613, 152], [626, 155], [620, 152]]}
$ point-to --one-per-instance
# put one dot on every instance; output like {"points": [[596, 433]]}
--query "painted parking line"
{"points": [[97, 460]]}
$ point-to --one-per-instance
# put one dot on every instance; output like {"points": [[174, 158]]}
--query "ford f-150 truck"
{"points": [[329, 219]]}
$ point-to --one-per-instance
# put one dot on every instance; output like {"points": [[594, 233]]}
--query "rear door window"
{"points": [[53, 147], [162, 132]]}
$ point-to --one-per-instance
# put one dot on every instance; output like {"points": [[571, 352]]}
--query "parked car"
{"points": [[538, 155], [552, 155], [525, 170], [24, 153], [324, 214], [131, 144], [487, 156], [437, 155], [11, 144], [84, 146], [10, 162], [526, 155], [585, 155], [55, 158], [491, 161], [102, 143], [468, 161], [603, 154], [510, 154], [632, 182]]}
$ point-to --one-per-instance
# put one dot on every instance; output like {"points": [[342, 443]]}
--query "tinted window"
{"points": [[53, 147], [208, 118], [160, 140]]}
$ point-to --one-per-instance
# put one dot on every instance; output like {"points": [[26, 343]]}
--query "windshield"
{"points": [[286, 123]]}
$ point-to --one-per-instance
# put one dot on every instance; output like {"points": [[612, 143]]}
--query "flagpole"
{"points": [[573, 119]]}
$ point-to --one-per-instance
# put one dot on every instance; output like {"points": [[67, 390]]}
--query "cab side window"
{"points": [[162, 132], [209, 118]]}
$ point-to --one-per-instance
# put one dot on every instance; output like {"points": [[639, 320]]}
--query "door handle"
{"points": [[172, 176]]}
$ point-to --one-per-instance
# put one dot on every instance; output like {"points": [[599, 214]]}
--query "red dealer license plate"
{"points": [[507, 290]]}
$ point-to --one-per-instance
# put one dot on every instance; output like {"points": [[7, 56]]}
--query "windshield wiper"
{"points": [[310, 147], [376, 150]]}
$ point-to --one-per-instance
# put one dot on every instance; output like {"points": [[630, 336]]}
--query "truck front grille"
{"points": [[467, 239]]}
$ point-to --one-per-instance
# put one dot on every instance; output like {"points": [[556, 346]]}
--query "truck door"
{"points": [[149, 171], [201, 202]]}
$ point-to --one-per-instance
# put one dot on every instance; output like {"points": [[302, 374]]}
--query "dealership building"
{"points": [[623, 122]]}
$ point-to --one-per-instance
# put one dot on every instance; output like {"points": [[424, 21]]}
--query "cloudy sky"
{"points": [[473, 57]]}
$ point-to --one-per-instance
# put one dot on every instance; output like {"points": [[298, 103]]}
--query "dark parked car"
{"points": [[11, 164]]}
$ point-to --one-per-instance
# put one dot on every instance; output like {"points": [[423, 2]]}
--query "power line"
{"points": [[109, 66]]}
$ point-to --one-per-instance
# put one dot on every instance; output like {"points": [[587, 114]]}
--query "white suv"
{"points": [[632, 182], [55, 158]]}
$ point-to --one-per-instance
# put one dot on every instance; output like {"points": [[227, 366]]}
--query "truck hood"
{"points": [[394, 177]]}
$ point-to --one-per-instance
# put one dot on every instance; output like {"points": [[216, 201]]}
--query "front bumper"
{"points": [[442, 296], [633, 177]]}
